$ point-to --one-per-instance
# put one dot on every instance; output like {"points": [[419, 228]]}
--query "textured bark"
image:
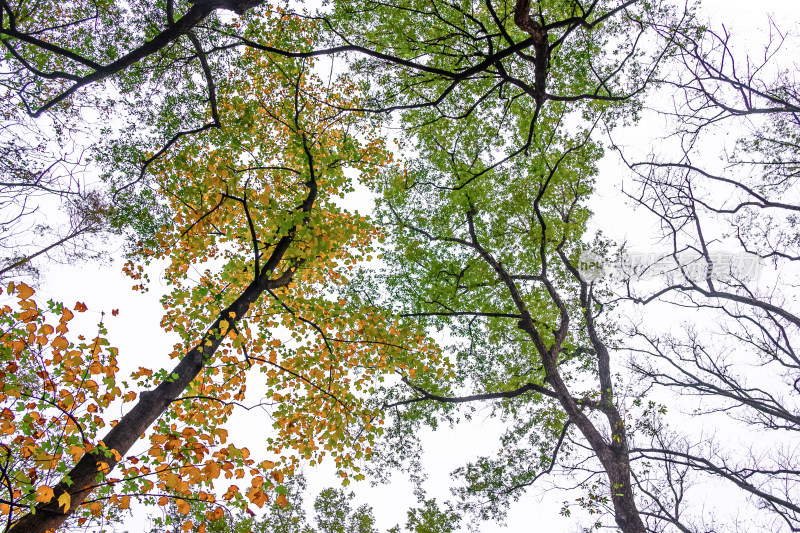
{"points": [[541, 47], [613, 456]]}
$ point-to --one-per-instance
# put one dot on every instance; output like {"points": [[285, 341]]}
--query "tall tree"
{"points": [[257, 200], [494, 261], [499, 104], [729, 250]]}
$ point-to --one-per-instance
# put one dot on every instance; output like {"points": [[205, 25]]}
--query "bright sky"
{"points": [[137, 334]]}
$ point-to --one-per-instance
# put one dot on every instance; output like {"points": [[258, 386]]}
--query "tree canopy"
{"points": [[221, 140]]}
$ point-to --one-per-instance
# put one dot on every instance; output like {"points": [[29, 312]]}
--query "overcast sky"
{"points": [[136, 331]]}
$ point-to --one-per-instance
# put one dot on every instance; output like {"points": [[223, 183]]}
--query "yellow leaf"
{"points": [[223, 326], [47, 461], [64, 501], [44, 493]]}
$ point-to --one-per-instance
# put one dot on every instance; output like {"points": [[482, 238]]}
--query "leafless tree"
{"points": [[728, 265]]}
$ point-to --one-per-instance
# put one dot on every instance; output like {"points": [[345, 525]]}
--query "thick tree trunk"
{"points": [[541, 47], [613, 456]]}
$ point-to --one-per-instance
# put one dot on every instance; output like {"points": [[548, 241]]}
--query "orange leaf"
{"points": [[222, 434], [80, 307], [183, 507], [44, 493], [211, 470], [282, 501], [76, 452], [162, 501], [29, 315], [23, 291]]}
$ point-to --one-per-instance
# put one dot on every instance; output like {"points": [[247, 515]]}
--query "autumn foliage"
{"points": [[259, 257], [56, 385]]}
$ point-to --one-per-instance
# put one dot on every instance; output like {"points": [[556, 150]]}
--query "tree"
{"points": [[494, 262], [488, 218], [285, 221], [259, 206], [459, 255], [233, 163], [718, 222], [569, 69]]}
